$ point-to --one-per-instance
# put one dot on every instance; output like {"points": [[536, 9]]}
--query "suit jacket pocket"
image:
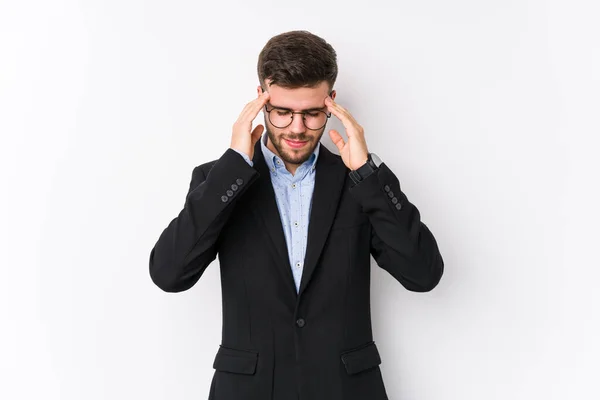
{"points": [[235, 360], [361, 359]]}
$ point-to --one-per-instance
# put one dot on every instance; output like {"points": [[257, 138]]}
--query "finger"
{"points": [[340, 110], [243, 117], [255, 106], [251, 109], [349, 124], [337, 139], [244, 110], [332, 104], [256, 133], [252, 104]]}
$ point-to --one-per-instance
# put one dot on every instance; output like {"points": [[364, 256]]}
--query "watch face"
{"points": [[376, 159]]}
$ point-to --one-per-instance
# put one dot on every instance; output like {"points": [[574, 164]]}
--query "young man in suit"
{"points": [[294, 226]]}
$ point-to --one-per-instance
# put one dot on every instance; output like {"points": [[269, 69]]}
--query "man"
{"points": [[294, 226]]}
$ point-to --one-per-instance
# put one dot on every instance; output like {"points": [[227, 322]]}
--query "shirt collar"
{"points": [[274, 162]]}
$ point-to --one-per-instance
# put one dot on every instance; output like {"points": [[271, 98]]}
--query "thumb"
{"points": [[256, 133], [337, 139]]}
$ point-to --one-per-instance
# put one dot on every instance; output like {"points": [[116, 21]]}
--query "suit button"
{"points": [[224, 199], [300, 322], [398, 206], [395, 200], [234, 187], [230, 193], [239, 181], [386, 188], [390, 194]]}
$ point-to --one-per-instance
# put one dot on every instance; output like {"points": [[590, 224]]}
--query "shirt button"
{"points": [[294, 185], [295, 223], [239, 181], [300, 322], [224, 199], [298, 265]]}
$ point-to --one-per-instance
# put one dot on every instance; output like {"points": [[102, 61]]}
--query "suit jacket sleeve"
{"points": [[400, 243], [188, 244]]}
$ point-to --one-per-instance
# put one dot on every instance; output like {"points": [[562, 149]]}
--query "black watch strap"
{"points": [[365, 170]]}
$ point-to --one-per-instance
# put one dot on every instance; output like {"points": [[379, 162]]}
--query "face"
{"points": [[295, 143]]}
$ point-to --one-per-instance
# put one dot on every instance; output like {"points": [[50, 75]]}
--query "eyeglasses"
{"points": [[282, 118]]}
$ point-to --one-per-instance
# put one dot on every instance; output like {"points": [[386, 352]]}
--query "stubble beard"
{"points": [[297, 157]]}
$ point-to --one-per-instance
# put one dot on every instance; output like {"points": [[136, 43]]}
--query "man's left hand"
{"points": [[354, 152]]}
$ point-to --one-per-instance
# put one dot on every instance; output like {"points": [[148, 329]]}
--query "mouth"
{"points": [[295, 144]]}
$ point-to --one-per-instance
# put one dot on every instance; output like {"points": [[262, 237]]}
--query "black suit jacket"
{"points": [[278, 344]]}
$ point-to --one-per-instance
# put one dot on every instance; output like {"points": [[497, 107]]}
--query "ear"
{"points": [[332, 94], [259, 90]]}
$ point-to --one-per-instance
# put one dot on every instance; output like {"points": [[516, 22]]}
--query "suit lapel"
{"points": [[329, 182], [265, 205]]}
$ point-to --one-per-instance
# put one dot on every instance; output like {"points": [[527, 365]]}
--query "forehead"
{"points": [[299, 98]]}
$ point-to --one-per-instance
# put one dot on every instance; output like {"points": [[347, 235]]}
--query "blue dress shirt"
{"points": [[294, 200]]}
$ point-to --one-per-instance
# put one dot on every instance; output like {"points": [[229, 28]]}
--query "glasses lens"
{"points": [[315, 119], [280, 118]]}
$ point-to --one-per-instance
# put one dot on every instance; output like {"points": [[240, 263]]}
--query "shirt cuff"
{"points": [[248, 160]]}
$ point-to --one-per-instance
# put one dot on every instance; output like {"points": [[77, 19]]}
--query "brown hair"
{"points": [[297, 59]]}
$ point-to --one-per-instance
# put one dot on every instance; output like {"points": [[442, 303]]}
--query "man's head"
{"points": [[298, 69]]}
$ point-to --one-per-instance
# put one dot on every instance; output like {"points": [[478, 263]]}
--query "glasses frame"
{"points": [[328, 115]]}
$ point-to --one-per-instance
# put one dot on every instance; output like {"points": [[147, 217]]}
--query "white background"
{"points": [[487, 111]]}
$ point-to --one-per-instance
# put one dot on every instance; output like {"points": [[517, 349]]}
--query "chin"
{"points": [[289, 154], [296, 156]]}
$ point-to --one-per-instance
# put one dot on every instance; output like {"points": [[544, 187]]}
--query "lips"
{"points": [[295, 144]]}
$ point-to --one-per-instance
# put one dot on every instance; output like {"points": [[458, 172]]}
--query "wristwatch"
{"points": [[372, 165]]}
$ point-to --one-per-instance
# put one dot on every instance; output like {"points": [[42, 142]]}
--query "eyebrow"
{"points": [[305, 110]]}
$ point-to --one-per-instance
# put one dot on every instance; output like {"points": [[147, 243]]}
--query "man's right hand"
{"points": [[242, 139]]}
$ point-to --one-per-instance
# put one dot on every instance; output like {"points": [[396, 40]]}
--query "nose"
{"points": [[297, 125]]}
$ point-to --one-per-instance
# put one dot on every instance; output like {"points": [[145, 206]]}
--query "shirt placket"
{"points": [[297, 229]]}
